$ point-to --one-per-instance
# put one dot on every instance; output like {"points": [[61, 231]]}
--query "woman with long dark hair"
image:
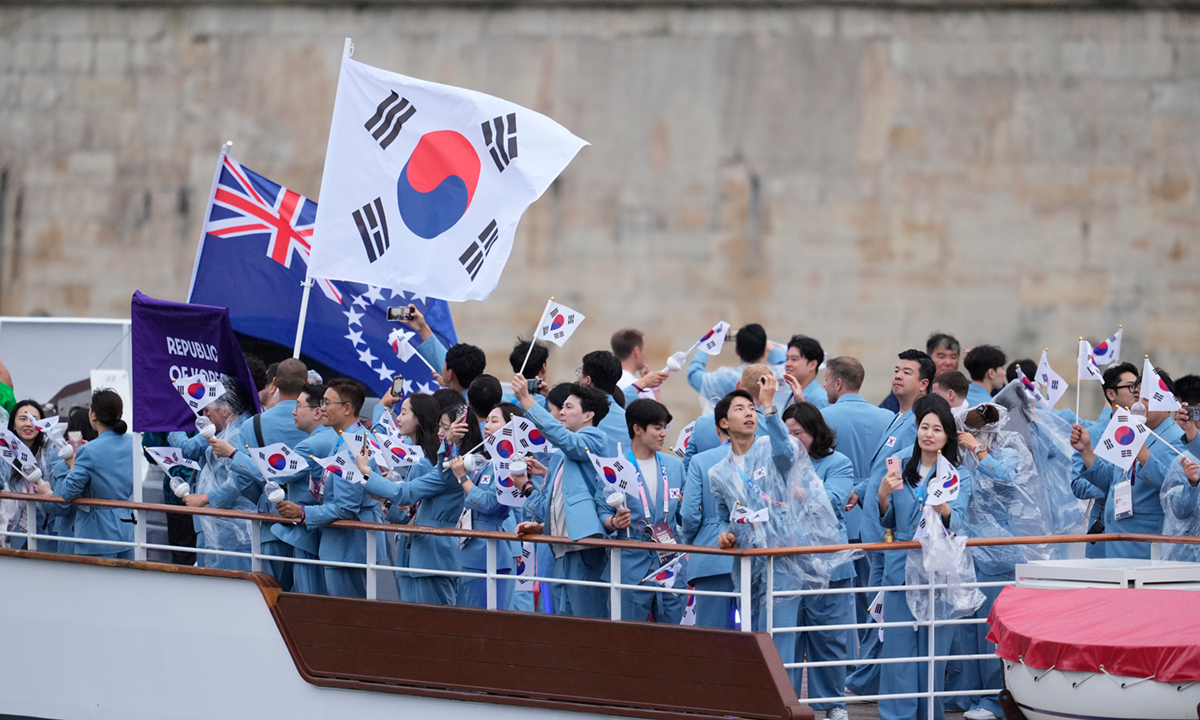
{"points": [[902, 500], [102, 469], [15, 477], [808, 426]]}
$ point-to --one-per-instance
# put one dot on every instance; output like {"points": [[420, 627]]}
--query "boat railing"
{"points": [[743, 556]]}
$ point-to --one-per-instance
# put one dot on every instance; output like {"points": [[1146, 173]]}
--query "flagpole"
{"points": [[533, 339], [1078, 382], [212, 193], [347, 51]]}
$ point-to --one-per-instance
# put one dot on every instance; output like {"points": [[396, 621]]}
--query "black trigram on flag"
{"points": [[472, 257], [500, 136], [1126, 453], [372, 226], [1054, 385], [1108, 444], [293, 465], [1158, 396], [389, 117]]}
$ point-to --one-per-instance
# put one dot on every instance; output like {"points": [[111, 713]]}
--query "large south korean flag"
{"points": [[424, 184]]}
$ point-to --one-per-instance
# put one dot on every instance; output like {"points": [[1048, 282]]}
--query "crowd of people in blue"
{"points": [[777, 447]]}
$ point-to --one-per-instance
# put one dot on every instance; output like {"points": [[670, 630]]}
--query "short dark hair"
{"points": [[467, 362], [509, 410], [604, 370], [446, 397], [1112, 376], [847, 369], [925, 366], [937, 405], [1187, 389], [537, 358], [351, 391], [271, 370], [942, 340], [625, 341], [809, 348], [484, 394], [721, 411], [751, 342], [558, 394], [644, 412], [315, 392], [258, 371], [1027, 366], [983, 358], [590, 400], [956, 381], [807, 416]]}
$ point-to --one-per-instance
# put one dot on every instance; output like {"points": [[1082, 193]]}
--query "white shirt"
{"points": [[627, 379], [649, 470]]}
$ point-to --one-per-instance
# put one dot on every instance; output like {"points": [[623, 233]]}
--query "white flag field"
{"points": [[169, 457], [197, 392], [558, 323], [616, 472], [713, 340], [1056, 386], [277, 459], [424, 184], [1154, 392]]}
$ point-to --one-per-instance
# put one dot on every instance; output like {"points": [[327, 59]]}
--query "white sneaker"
{"points": [[837, 714], [980, 714]]}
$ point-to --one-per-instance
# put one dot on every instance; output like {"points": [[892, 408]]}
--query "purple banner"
{"points": [[173, 340]]}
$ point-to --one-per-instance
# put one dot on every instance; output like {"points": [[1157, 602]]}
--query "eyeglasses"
{"points": [[326, 403], [1131, 387], [578, 371]]}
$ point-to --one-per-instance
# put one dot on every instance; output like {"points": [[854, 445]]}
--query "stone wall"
{"points": [[863, 175]]}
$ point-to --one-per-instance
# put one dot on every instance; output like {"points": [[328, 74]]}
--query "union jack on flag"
{"points": [[246, 204]]}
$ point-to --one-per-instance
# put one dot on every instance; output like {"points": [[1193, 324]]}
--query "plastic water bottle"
{"points": [[206, 427], [275, 493], [180, 487], [1138, 409]]}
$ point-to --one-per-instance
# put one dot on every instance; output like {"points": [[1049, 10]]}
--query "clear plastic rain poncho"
{"points": [[13, 512], [1007, 503], [223, 533], [1048, 437], [942, 560], [798, 514], [1181, 512]]}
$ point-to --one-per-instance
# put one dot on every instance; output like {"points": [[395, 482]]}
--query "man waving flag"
{"points": [[424, 184]]}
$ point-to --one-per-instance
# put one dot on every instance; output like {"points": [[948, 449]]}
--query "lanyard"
{"points": [[754, 486], [642, 487]]}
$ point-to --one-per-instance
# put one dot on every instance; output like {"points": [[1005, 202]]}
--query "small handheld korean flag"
{"points": [[424, 184], [1122, 439], [44, 425], [277, 459], [1055, 385], [14, 448], [399, 339], [1087, 363], [1155, 393], [684, 439], [1109, 351], [527, 437], [354, 442], [617, 473], [876, 612], [526, 568], [401, 454], [340, 465], [944, 486], [742, 515], [169, 457], [666, 575], [506, 490], [198, 393], [1031, 389], [689, 612], [713, 340], [505, 443], [558, 323]]}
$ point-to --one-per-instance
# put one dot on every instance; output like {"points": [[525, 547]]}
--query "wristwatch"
{"points": [[771, 411]]}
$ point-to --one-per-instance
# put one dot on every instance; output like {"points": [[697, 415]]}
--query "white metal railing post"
{"points": [[256, 564], [744, 567], [770, 609], [932, 648], [1155, 552], [372, 580], [491, 574], [30, 525], [140, 517], [614, 579]]}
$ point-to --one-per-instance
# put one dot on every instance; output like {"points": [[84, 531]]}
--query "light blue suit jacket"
{"points": [[579, 481], [976, 395], [104, 470], [904, 512], [441, 502], [487, 513], [614, 428], [699, 516], [636, 564], [320, 445], [344, 500], [433, 351], [899, 436], [858, 425], [705, 437]]}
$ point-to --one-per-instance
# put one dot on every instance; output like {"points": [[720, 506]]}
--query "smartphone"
{"points": [[462, 414], [403, 313], [534, 384], [893, 465], [1193, 413], [398, 387]]}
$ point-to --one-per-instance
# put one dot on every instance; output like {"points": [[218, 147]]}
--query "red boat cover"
{"points": [[1136, 633]]}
